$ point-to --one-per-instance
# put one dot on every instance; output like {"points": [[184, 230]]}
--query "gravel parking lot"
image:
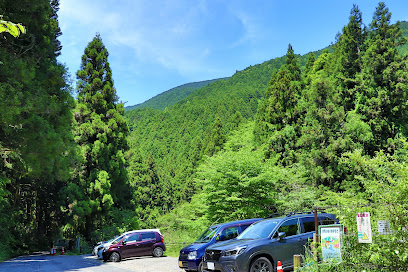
{"points": [[43, 262], [147, 264]]}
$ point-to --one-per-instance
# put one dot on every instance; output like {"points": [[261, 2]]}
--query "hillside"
{"points": [[172, 142], [168, 144], [404, 27], [172, 96], [176, 94]]}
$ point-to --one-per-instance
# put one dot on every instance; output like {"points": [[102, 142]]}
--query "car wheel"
{"points": [[200, 267], [157, 252], [114, 257], [261, 264]]}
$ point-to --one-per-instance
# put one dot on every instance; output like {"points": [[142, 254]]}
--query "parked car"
{"points": [[96, 247], [134, 243], [191, 256], [97, 251], [264, 243]]}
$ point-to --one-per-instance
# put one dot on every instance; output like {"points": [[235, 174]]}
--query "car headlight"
{"points": [[192, 255], [234, 252]]}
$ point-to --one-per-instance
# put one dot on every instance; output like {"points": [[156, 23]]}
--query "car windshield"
{"points": [[207, 235], [258, 230], [115, 241]]}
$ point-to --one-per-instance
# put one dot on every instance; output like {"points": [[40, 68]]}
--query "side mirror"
{"points": [[221, 238], [281, 235]]}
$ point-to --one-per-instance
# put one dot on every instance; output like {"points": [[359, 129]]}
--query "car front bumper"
{"points": [[191, 265]]}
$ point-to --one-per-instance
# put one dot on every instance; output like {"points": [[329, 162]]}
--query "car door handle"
{"points": [[300, 239]]}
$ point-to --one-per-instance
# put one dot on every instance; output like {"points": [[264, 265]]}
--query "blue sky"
{"points": [[155, 45]]}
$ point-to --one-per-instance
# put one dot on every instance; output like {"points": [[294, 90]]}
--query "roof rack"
{"points": [[294, 213], [288, 214], [275, 215]]}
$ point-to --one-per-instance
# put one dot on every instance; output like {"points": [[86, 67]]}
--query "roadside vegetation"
{"points": [[326, 129]]}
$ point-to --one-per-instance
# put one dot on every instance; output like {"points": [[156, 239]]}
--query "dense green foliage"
{"points": [[172, 96], [328, 128], [169, 144], [314, 113], [12, 28], [100, 182], [36, 141]]}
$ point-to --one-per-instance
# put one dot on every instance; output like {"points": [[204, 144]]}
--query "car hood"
{"points": [[106, 244], [193, 247], [227, 245]]}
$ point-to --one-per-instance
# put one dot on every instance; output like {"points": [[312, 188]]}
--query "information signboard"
{"points": [[330, 241], [384, 227], [364, 228]]}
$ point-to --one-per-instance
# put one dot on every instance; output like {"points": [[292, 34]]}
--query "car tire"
{"points": [[157, 252], [114, 257], [200, 267], [261, 264]]}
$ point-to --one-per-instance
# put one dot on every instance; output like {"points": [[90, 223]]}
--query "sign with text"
{"points": [[384, 227], [330, 241], [364, 228]]}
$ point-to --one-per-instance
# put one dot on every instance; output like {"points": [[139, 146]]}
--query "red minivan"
{"points": [[135, 243]]}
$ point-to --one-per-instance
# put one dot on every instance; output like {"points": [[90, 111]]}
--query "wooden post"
{"points": [[316, 221], [296, 262], [314, 249], [316, 235]]}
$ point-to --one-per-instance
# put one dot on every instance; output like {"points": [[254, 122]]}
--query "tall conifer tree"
{"points": [[383, 98], [279, 108], [350, 46], [101, 134], [349, 52], [35, 124]]}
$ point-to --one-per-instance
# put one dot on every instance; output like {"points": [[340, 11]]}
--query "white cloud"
{"points": [[158, 32]]}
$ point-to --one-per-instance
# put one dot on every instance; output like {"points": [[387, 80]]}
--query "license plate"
{"points": [[210, 266], [180, 264]]}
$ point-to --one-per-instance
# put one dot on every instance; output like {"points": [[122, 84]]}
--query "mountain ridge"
{"points": [[172, 96]]}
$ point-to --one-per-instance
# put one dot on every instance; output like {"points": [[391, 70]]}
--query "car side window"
{"points": [[132, 238], [228, 233], [290, 227], [148, 236], [308, 224]]}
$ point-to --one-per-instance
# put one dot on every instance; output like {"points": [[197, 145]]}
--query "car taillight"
{"points": [[345, 230], [161, 237]]}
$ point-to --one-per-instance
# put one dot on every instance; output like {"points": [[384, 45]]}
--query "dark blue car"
{"points": [[191, 256]]}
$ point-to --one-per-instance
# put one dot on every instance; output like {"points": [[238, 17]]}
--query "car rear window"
{"points": [[148, 236], [324, 220]]}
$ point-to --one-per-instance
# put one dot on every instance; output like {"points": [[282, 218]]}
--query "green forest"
{"points": [[326, 129], [172, 96]]}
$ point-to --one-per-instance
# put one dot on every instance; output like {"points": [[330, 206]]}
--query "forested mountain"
{"points": [[404, 27], [328, 128], [171, 142], [172, 96], [286, 134]]}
